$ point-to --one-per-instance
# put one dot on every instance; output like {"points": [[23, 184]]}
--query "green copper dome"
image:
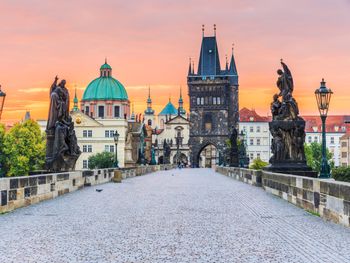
{"points": [[105, 66], [105, 87]]}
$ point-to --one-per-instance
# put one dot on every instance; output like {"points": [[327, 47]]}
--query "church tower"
{"points": [[213, 96]]}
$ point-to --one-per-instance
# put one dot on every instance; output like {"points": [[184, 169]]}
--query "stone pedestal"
{"points": [[288, 148]]}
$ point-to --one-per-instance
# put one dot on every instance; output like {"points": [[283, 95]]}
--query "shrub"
{"points": [[341, 174], [101, 160], [258, 164]]}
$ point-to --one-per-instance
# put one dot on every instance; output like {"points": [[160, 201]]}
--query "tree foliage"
{"points": [[101, 160], [258, 164], [24, 149], [313, 153]]}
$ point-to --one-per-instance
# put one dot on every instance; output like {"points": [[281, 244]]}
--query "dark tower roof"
{"points": [[209, 62], [233, 69]]}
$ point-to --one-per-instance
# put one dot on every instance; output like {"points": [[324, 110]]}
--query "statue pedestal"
{"points": [[288, 148]]}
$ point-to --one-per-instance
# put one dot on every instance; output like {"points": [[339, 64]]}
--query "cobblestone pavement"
{"points": [[188, 215]]}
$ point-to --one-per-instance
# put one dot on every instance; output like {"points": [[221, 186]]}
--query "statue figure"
{"points": [[275, 106], [62, 150], [233, 157], [153, 156], [285, 81], [166, 152], [287, 130]]}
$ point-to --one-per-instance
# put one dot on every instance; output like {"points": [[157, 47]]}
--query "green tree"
{"points": [[313, 153], [101, 160], [24, 149], [258, 164], [341, 174]]}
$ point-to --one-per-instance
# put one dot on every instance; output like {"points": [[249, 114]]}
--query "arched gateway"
{"points": [[213, 104]]}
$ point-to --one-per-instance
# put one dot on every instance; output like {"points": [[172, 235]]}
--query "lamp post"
{"points": [[242, 154], [116, 138], [323, 97], [2, 100], [178, 139]]}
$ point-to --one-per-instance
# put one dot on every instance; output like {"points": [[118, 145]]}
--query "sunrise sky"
{"points": [[150, 42]]}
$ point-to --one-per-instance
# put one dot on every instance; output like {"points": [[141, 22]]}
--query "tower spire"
{"points": [[226, 68], [189, 68], [181, 110], [75, 100], [203, 30], [149, 110], [214, 30]]}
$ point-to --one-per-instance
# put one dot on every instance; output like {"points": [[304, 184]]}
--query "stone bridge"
{"points": [[187, 215]]}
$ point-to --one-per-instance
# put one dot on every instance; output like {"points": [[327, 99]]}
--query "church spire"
{"points": [[149, 110], [75, 101], [181, 110]]}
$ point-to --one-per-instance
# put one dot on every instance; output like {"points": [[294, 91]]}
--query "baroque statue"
{"points": [[287, 129], [62, 150]]}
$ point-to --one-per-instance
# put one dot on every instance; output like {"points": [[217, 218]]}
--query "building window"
{"points": [[109, 133], [87, 148], [218, 100], [258, 155], [251, 156], [202, 101], [208, 122], [101, 111], [109, 148], [309, 139], [315, 139], [85, 164], [149, 122], [258, 129], [206, 100], [344, 155], [251, 129], [198, 101], [87, 133], [214, 100], [244, 128], [343, 144], [257, 141], [251, 142], [87, 110], [332, 140], [116, 112]]}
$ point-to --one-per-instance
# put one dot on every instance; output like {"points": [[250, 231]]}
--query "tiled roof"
{"points": [[334, 123], [246, 115]]}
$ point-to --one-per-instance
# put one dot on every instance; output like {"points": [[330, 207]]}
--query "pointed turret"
{"points": [[226, 67], [132, 117], [190, 68], [233, 69], [149, 110]]}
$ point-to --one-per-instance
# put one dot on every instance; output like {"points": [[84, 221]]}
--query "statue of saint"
{"points": [[285, 81]]}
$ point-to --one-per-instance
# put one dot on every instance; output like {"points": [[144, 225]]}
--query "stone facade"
{"points": [[213, 102]]}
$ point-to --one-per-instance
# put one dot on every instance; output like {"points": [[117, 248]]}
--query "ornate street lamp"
{"points": [[323, 97], [116, 138], [243, 160], [2, 100]]}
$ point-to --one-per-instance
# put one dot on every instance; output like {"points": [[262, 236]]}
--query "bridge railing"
{"points": [[328, 198], [16, 192]]}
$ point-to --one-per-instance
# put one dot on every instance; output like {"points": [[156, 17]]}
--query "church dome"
{"points": [[105, 87]]}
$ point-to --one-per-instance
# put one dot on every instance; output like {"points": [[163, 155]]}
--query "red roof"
{"points": [[334, 123], [246, 115]]}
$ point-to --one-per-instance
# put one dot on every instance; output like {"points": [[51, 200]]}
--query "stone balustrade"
{"points": [[16, 192], [327, 198]]}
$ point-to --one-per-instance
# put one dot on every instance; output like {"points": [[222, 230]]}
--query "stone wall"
{"points": [[328, 198], [16, 192]]}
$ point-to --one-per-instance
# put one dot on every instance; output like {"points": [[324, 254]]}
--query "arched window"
{"points": [[198, 101], [202, 101]]}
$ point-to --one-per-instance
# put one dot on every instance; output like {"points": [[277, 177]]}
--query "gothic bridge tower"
{"points": [[214, 111]]}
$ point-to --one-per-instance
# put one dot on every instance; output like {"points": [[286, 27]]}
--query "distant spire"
{"points": [[214, 30], [192, 67], [132, 113], [189, 68], [226, 68], [75, 100], [181, 110], [202, 30], [149, 110]]}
